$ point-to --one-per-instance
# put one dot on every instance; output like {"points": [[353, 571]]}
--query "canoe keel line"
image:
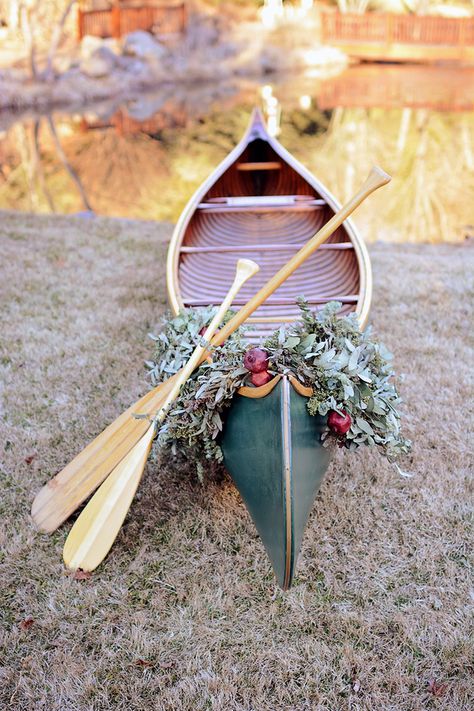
{"points": [[273, 451]]}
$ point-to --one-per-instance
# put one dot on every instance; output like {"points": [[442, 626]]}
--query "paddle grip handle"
{"points": [[244, 270]]}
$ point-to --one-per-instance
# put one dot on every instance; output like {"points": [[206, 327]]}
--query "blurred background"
{"points": [[123, 108]]}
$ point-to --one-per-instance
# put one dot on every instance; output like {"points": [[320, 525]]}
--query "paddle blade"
{"points": [[65, 492], [94, 532]]}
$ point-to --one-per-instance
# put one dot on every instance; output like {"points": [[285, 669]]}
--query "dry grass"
{"points": [[185, 614]]}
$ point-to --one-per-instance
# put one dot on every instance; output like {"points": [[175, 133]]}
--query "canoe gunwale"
{"points": [[256, 130]]}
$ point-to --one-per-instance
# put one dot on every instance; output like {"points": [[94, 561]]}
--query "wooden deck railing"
{"points": [[121, 19], [438, 88], [387, 29]]}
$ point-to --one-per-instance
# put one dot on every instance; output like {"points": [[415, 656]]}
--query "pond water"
{"points": [[144, 158]]}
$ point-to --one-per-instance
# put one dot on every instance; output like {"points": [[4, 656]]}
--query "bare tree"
{"points": [[359, 6], [56, 39], [27, 19], [41, 22]]}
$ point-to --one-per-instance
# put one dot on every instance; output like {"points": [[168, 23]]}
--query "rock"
{"points": [[90, 45], [143, 45], [64, 64], [132, 65], [100, 63], [97, 67], [145, 106]]}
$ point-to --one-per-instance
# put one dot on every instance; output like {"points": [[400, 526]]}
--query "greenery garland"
{"points": [[348, 371]]}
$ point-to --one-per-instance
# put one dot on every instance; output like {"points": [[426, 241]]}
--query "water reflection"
{"points": [[145, 157]]}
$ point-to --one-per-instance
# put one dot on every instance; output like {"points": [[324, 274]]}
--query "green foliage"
{"points": [[345, 367], [347, 370], [195, 420]]}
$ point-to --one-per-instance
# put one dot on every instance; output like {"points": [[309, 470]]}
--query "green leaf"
{"points": [[364, 426], [291, 342], [353, 360]]}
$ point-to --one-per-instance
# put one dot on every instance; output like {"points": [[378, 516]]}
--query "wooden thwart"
{"points": [[259, 165], [349, 299]]}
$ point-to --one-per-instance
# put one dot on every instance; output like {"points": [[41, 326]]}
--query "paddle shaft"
{"points": [[376, 178]]}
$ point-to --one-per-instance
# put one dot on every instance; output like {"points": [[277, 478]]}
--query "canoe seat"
{"points": [[259, 203]]}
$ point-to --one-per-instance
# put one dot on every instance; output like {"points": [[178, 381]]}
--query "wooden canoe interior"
{"points": [[261, 208]]}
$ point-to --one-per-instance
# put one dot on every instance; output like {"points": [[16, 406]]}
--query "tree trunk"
{"points": [[27, 28], [55, 40], [63, 158]]}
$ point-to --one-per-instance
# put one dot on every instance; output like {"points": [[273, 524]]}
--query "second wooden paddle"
{"points": [[94, 532]]}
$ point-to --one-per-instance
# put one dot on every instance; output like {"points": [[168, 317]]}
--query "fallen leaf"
{"points": [[82, 574], [143, 663], [436, 688], [27, 623], [30, 458]]}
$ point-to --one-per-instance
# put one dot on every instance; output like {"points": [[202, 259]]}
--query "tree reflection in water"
{"points": [[145, 158], [429, 154]]}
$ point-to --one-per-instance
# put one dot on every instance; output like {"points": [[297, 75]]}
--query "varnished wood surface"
{"points": [[266, 215]]}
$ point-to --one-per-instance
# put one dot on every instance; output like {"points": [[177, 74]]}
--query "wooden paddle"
{"points": [[68, 489], [94, 532]]}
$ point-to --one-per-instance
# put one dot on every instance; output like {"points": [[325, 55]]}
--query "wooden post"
{"points": [[80, 28], [115, 22], [462, 37], [389, 29]]}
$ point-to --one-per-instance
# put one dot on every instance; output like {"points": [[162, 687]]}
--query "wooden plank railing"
{"points": [[439, 88], [94, 22], [389, 28], [122, 19]]}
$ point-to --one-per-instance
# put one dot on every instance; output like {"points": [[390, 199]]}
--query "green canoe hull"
{"points": [[273, 452]]}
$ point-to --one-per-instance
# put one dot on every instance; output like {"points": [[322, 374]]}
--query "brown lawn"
{"points": [[184, 615]]}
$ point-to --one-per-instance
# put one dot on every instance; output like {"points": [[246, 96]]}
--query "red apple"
{"points": [[340, 424], [261, 378], [256, 360]]}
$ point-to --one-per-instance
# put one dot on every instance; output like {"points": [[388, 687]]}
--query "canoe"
{"points": [[272, 448], [260, 203]]}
